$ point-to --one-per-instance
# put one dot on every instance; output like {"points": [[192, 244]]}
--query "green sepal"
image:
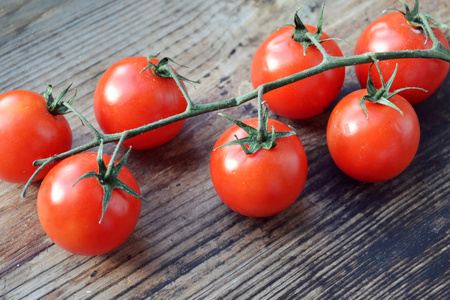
{"points": [[90, 174], [55, 106], [382, 95], [161, 68], [108, 178], [414, 18], [300, 31], [256, 140]]}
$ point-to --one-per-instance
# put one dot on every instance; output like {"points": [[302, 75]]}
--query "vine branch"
{"points": [[437, 51], [332, 62]]}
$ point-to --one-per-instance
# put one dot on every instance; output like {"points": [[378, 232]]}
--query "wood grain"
{"points": [[342, 239]]}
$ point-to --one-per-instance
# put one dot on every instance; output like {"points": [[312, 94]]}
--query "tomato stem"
{"points": [[261, 124], [437, 51], [45, 163], [83, 120], [254, 145], [332, 62], [110, 169], [302, 35], [175, 76], [380, 93], [56, 106], [108, 176]]}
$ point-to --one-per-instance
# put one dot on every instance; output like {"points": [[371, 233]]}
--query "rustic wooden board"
{"points": [[342, 239]]}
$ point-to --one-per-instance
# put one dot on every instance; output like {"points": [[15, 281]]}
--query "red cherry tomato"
{"points": [[125, 99], [280, 56], [374, 149], [393, 32], [28, 131], [260, 184], [70, 214]]}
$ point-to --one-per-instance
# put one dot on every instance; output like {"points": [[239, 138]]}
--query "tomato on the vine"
{"points": [[261, 184], [280, 56], [70, 214], [393, 32], [28, 131], [126, 99], [376, 147]]}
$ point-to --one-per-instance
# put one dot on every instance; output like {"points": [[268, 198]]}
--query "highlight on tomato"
{"points": [[373, 135], [131, 94], [32, 127], [288, 51], [403, 31], [83, 210], [258, 181]]}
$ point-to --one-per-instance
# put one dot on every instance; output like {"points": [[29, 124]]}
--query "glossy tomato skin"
{"points": [[125, 99], [28, 131], [70, 214], [392, 32], [260, 184], [280, 56], [374, 149]]}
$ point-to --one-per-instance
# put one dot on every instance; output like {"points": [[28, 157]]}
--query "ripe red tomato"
{"points": [[260, 184], [70, 214], [377, 148], [125, 99], [28, 131], [280, 56], [393, 32]]}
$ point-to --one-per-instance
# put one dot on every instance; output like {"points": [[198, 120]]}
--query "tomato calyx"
{"points": [[303, 36], [161, 68], [258, 138], [382, 95], [56, 106], [107, 176], [416, 19]]}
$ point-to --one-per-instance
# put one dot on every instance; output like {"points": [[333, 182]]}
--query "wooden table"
{"points": [[341, 239]]}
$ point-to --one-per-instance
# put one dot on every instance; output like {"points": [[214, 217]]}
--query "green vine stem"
{"points": [[261, 125], [437, 51], [329, 62]]}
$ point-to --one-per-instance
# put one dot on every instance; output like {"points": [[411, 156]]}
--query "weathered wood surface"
{"points": [[342, 239]]}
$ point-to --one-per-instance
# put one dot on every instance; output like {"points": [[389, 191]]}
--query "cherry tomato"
{"points": [[376, 148], [28, 131], [280, 56], [260, 184], [125, 99], [393, 32], [70, 214]]}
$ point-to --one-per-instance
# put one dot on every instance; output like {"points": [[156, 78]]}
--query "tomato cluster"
{"points": [[73, 212], [369, 149], [369, 140]]}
